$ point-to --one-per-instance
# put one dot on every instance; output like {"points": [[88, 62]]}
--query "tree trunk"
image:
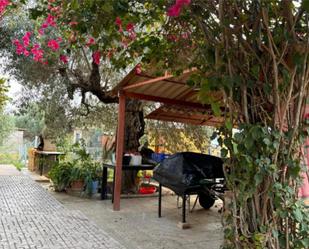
{"points": [[134, 130]]}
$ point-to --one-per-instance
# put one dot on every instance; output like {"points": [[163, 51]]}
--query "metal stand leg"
{"points": [[194, 203], [184, 208], [113, 185], [41, 162], [104, 184], [160, 200]]}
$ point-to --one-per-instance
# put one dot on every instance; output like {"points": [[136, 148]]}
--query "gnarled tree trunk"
{"points": [[134, 130]]}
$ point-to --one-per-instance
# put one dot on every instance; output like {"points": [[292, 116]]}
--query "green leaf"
{"points": [[249, 142], [216, 109], [305, 5], [35, 13], [74, 4], [228, 124], [305, 242], [298, 215], [256, 132], [224, 152], [258, 178], [294, 171], [275, 233], [255, 71], [238, 136], [266, 141]]}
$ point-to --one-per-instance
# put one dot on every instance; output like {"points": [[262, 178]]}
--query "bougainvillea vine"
{"points": [[175, 9], [3, 5]]}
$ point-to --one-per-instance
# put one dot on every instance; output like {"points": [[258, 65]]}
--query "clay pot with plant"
{"points": [[60, 175], [77, 178]]}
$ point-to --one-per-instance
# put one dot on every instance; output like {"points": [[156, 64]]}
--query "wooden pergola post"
{"points": [[119, 150]]}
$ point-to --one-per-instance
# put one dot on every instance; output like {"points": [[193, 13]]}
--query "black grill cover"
{"points": [[183, 170]]}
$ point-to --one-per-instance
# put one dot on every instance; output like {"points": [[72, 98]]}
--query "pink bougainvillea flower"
{"points": [[44, 25], [132, 35], [138, 69], [15, 42], [130, 27], [3, 5], [36, 46], [53, 44], [118, 21], [59, 39], [37, 53], [55, 9], [19, 47], [185, 35], [64, 59], [73, 23], [26, 52], [50, 20], [172, 37], [175, 9], [91, 41], [119, 24], [96, 57], [38, 56], [41, 31], [26, 39], [19, 50], [183, 2]]}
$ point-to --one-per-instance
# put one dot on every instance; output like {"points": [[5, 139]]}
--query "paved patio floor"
{"points": [[137, 225], [32, 218], [36, 217]]}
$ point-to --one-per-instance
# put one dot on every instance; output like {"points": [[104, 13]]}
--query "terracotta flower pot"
{"points": [[77, 185]]}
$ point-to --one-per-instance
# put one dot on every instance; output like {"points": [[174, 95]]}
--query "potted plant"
{"points": [[92, 177], [77, 177], [60, 175]]}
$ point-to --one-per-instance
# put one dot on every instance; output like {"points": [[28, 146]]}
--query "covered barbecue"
{"points": [[189, 173]]}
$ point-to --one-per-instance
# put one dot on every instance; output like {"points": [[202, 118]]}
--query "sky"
{"points": [[15, 87]]}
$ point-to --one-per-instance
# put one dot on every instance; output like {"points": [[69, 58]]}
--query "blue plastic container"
{"points": [[158, 157]]}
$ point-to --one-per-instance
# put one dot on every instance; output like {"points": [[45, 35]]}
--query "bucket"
{"points": [[136, 160]]}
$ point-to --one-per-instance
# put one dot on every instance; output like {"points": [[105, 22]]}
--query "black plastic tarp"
{"points": [[184, 170]]}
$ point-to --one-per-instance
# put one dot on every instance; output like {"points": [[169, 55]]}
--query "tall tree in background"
{"points": [[77, 42], [6, 123], [3, 92]]}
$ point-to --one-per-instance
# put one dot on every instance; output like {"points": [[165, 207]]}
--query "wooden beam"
{"points": [[124, 81], [119, 150], [158, 79], [166, 80], [166, 100]]}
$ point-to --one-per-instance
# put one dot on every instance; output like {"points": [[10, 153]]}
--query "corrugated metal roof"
{"points": [[172, 91], [186, 115]]}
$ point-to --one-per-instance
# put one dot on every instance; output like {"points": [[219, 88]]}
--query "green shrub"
{"points": [[11, 158], [77, 165], [60, 174]]}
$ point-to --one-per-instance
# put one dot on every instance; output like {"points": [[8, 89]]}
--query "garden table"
{"points": [[107, 166], [43, 154]]}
